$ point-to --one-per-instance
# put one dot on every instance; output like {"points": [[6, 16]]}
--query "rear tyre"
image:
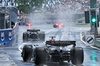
{"points": [[27, 53], [40, 56], [77, 56], [42, 36], [25, 37]]}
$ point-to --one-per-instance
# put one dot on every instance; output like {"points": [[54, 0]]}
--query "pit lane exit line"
{"points": [[86, 43]]}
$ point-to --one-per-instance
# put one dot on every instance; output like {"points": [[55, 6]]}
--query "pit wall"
{"points": [[9, 37]]}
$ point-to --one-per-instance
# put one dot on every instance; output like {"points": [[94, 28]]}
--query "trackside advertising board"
{"points": [[6, 36]]}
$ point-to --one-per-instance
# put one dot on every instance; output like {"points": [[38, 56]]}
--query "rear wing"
{"points": [[33, 30], [61, 43]]}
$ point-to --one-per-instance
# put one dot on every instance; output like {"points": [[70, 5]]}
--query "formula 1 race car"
{"points": [[28, 24], [25, 23], [53, 51], [33, 34], [58, 25]]}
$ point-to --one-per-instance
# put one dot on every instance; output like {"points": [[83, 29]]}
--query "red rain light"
{"points": [[57, 24], [53, 41], [29, 24]]}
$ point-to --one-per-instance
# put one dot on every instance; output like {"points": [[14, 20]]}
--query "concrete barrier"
{"points": [[97, 43]]}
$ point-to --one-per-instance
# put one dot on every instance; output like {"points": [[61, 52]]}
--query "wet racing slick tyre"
{"points": [[27, 53], [25, 37], [42, 36], [40, 56], [77, 56]]}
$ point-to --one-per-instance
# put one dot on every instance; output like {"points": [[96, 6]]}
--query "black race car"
{"points": [[53, 51], [33, 34], [58, 25]]}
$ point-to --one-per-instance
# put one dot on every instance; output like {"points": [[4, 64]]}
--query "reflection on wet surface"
{"points": [[93, 56]]}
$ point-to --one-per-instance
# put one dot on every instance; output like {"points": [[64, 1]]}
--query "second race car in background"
{"points": [[58, 25], [33, 34], [25, 21], [28, 24]]}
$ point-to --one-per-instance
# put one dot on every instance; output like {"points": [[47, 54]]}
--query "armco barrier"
{"points": [[9, 37]]}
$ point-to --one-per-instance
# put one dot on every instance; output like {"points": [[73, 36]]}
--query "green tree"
{"points": [[26, 6]]}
